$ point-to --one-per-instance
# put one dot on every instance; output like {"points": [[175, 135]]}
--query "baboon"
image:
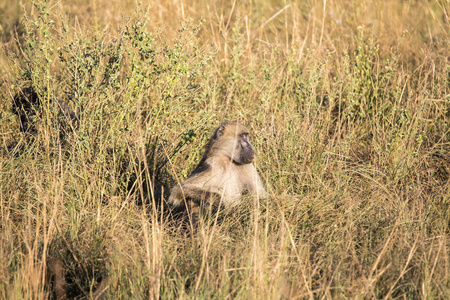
{"points": [[57, 270], [27, 104], [224, 174]]}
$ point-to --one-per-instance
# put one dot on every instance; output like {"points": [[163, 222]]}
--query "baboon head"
{"points": [[231, 139]]}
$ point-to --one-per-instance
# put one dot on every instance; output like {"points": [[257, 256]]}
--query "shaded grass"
{"points": [[349, 110]]}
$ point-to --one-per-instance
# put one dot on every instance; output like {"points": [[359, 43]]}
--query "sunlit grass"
{"points": [[348, 103]]}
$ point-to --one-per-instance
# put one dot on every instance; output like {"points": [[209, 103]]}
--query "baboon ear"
{"points": [[220, 130]]}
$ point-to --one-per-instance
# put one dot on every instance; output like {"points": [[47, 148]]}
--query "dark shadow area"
{"points": [[77, 266]]}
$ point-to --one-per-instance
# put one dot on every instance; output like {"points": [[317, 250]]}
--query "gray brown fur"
{"points": [[224, 174]]}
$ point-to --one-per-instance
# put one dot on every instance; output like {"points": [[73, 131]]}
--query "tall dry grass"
{"points": [[108, 103]]}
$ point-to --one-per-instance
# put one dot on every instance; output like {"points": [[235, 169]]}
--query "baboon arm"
{"points": [[183, 192], [257, 190], [260, 190], [254, 183]]}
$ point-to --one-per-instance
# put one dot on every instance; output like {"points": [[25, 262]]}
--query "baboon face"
{"points": [[245, 150], [232, 139]]}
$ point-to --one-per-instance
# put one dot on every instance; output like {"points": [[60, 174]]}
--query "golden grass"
{"points": [[348, 103]]}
